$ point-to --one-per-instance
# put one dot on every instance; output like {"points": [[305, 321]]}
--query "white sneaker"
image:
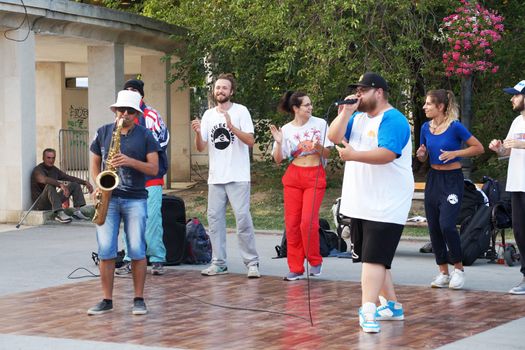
{"points": [[77, 214], [519, 289], [253, 271], [62, 217], [441, 281], [457, 279], [367, 318], [213, 270]]}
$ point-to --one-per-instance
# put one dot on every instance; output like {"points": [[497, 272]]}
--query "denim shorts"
{"points": [[134, 214]]}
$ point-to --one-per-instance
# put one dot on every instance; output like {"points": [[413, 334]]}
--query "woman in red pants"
{"points": [[303, 142]]}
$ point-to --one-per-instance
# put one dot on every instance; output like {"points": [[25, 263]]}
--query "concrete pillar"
{"points": [[180, 133], [154, 76], [50, 87], [156, 93], [17, 123], [105, 79]]}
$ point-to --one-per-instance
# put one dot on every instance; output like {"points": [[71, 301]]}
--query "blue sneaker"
{"points": [[292, 276], [389, 310], [316, 270], [367, 319]]}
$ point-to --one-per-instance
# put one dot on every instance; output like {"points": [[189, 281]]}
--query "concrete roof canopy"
{"points": [[63, 29]]}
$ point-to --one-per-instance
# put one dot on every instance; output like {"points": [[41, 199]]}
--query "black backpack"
{"points": [[500, 201], [328, 241], [281, 248], [198, 243], [492, 190], [472, 200], [475, 240]]}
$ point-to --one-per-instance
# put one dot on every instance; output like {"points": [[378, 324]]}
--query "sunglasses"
{"points": [[130, 110]]}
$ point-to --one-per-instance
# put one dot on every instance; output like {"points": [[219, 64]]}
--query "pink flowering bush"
{"points": [[470, 33]]}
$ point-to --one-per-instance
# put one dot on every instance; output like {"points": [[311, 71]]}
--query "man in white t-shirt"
{"points": [[514, 147], [228, 130], [377, 190]]}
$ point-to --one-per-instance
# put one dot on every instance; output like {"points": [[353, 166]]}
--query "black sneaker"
{"points": [[101, 308], [427, 248], [139, 307]]}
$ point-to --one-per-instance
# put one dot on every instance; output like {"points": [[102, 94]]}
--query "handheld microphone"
{"points": [[346, 102]]}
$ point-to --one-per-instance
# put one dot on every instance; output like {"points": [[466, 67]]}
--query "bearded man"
{"points": [[228, 130], [514, 147], [377, 190]]}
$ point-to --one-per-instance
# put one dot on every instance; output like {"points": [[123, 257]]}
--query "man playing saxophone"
{"points": [[133, 154]]}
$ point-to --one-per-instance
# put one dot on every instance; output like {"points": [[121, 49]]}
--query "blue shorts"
{"points": [[134, 214]]}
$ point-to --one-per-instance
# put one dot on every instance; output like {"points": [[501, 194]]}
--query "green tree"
{"points": [[322, 46]]}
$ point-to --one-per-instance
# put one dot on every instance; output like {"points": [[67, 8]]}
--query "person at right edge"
{"points": [[378, 186], [441, 141], [514, 147]]}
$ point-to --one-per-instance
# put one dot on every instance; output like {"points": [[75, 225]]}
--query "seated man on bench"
{"points": [[47, 187]]}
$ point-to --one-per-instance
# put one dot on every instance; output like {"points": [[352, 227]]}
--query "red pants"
{"points": [[302, 200]]}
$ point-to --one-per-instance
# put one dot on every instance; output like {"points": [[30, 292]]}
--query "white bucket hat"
{"points": [[127, 98]]}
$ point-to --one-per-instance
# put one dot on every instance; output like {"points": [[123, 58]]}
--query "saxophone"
{"points": [[108, 179]]}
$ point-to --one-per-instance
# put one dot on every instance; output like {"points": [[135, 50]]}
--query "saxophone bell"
{"points": [[107, 180]]}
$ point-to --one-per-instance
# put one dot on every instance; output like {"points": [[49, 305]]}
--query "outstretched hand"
{"points": [[346, 152], [121, 159], [421, 153], [276, 133], [446, 156], [196, 125], [513, 143], [89, 186]]}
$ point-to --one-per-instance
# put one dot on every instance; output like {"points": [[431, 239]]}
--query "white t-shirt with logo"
{"points": [[229, 158], [299, 141], [379, 192], [516, 170]]}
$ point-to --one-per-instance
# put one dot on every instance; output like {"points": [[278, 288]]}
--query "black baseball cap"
{"points": [[372, 80]]}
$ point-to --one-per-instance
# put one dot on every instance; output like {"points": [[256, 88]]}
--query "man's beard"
{"points": [[367, 106], [222, 98], [127, 122], [519, 107]]}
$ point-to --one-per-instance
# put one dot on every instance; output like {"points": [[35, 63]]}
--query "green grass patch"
{"points": [[267, 205]]}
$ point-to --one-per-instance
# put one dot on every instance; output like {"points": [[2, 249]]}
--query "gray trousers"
{"points": [[238, 194], [51, 199]]}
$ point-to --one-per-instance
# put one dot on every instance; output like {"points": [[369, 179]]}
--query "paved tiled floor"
{"points": [[182, 314]]}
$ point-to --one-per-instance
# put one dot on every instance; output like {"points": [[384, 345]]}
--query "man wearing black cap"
{"points": [[151, 119], [377, 190], [514, 147]]}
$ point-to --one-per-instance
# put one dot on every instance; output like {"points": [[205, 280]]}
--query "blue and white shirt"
{"points": [[379, 192]]}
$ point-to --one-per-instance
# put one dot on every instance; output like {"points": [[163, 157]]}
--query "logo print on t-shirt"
{"points": [[452, 199], [221, 136]]}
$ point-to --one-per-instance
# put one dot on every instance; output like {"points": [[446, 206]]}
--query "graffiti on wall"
{"points": [[77, 118]]}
